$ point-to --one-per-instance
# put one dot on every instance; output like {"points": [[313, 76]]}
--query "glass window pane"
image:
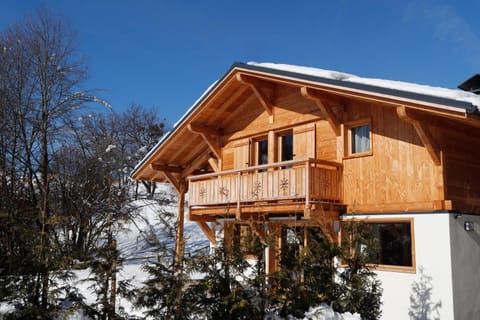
{"points": [[361, 139], [394, 244], [287, 147], [262, 152]]}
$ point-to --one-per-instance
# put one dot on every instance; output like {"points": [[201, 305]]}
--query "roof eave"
{"points": [[455, 105], [183, 120], [465, 106]]}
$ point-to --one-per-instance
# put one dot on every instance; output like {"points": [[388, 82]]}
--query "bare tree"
{"points": [[40, 87]]}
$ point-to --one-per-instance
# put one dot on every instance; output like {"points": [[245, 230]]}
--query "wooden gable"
{"points": [[419, 146]]}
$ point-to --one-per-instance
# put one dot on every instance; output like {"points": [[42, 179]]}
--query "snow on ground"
{"points": [[136, 235], [132, 244], [321, 312], [132, 241]]}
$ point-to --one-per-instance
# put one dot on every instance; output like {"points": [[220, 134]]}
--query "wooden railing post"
{"points": [[307, 190], [239, 194]]}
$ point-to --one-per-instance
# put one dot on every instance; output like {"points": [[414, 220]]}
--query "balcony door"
{"points": [[297, 144]]}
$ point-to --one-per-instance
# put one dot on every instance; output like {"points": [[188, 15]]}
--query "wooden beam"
{"points": [[214, 164], [201, 129], [233, 117], [207, 230], [427, 206], [220, 111], [257, 88], [195, 164], [325, 109], [436, 109], [326, 221], [173, 181], [423, 132], [162, 167], [210, 136]]}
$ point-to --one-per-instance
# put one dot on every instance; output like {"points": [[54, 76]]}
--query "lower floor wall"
{"points": [[426, 291], [443, 281]]}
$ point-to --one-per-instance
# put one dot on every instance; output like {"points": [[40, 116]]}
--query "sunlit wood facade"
{"points": [[266, 144]]}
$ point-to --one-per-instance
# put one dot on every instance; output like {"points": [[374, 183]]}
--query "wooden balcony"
{"points": [[278, 188]]}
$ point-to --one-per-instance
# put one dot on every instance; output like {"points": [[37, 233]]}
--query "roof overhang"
{"points": [[188, 147]]}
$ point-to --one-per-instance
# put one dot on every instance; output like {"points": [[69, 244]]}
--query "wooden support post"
{"points": [[179, 242], [238, 212], [214, 164], [307, 211]]}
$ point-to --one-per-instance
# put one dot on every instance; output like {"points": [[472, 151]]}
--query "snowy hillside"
{"points": [[148, 225], [133, 242]]}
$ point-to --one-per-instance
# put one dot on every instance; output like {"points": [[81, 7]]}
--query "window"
{"points": [[391, 245], [286, 147], [262, 151], [361, 139], [394, 241], [358, 139]]}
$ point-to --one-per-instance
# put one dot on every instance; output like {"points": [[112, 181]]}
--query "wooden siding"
{"points": [[399, 170], [397, 175], [462, 167]]}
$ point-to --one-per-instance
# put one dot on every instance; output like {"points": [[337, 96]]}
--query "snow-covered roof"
{"points": [[466, 100]]}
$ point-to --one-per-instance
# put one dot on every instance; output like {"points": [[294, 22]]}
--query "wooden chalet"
{"points": [[272, 145]]}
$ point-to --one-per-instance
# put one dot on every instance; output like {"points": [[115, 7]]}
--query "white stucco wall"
{"points": [[432, 249], [465, 251], [433, 291]]}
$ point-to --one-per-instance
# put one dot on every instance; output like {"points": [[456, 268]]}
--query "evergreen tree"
{"points": [[307, 274], [224, 293], [360, 290], [163, 294]]}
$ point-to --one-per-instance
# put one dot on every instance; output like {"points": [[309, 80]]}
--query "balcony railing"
{"points": [[303, 180]]}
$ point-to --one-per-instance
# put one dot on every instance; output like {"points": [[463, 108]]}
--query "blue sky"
{"points": [[164, 54]]}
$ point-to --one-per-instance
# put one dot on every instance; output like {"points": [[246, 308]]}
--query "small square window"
{"points": [[360, 139]]}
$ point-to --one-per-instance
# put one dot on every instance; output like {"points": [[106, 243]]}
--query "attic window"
{"points": [[358, 138], [361, 139]]}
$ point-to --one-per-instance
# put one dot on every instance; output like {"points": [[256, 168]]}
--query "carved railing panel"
{"points": [[293, 180]]}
